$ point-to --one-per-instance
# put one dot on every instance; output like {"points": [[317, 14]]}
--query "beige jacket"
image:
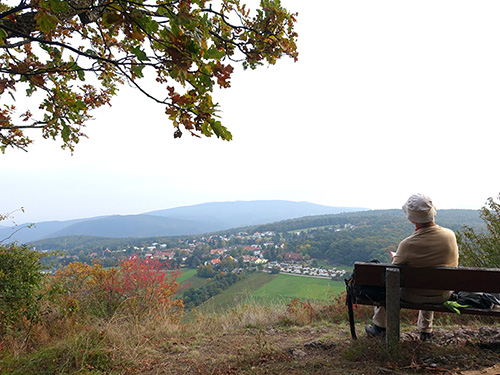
{"points": [[434, 246]]}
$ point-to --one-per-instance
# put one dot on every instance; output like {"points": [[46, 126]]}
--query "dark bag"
{"points": [[477, 300]]}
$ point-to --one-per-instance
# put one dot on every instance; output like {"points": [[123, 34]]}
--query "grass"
{"points": [[186, 274], [189, 280], [273, 289], [241, 332], [247, 339], [287, 287], [237, 293], [264, 288]]}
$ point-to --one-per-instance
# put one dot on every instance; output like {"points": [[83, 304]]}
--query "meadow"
{"points": [[285, 287], [264, 288]]}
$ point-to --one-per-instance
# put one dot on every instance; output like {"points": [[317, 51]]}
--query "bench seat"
{"points": [[389, 278]]}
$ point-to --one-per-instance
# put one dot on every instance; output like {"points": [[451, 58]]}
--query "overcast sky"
{"points": [[388, 98]]}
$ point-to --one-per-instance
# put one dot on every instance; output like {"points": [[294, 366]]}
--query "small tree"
{"points": [[482, 248], [206, 271]]}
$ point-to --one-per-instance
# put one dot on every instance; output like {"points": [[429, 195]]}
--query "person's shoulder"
{"points": [[444, 230], [407, 240], [439, 227]]}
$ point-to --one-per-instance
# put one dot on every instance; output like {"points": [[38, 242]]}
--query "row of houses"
{"points": [[304, 270]]}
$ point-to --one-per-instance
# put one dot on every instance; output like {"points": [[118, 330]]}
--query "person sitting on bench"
{"points": [[430, 246]]}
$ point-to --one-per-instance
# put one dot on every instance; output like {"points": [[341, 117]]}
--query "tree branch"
{"points": [[8, 142], [60, 44], [22, 6]]}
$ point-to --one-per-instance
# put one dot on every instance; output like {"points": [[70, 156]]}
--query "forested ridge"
{"points": [[339, 239], [369, 235]]}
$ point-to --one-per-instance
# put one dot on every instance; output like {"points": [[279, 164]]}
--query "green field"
{"points": [[186, 273], [266, 289], [240, 292], [188, 280], [287, 287]]}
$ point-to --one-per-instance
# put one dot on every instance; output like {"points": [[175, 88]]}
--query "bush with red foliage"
{"points": [[137, 288]]}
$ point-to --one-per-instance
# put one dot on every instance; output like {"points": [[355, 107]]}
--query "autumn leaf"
{"points": [[37, 79]]}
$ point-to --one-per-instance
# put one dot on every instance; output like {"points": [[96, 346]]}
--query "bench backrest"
{"points": [[445, 278]]}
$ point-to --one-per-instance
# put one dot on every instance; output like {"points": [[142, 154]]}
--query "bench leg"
{"points": [[392, 305]]}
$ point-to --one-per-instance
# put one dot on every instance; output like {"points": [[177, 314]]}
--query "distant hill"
{"points": [[197, 219], [246, 213], [338, 238]]}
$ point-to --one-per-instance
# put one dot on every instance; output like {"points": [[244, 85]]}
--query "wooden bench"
{"points": [[389, 278]]}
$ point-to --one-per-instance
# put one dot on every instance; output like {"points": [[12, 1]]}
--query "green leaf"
{"points": [[165, 34], [91, 52], [193, 47], [220, 130], [57, 53], [147, 24], [141, 55], [137, 69], [81, 74], [213, 53], [47, 22], [3, 33], [162, 9], [65, 133], [174, 27], [58, 6], [112, 18]]}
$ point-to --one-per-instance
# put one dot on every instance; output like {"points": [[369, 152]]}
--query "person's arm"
{"points": [[400, 256]]}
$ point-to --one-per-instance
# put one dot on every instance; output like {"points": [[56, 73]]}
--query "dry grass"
{"points": [[248, 339]]}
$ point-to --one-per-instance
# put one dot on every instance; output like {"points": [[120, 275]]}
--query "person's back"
{"points": [[430, 246]]}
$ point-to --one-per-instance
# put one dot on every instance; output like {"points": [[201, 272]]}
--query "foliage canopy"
{"points": [[482, 248], [70, 56]]}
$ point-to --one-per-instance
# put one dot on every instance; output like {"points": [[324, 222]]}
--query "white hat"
{"points": [[419, 209]]}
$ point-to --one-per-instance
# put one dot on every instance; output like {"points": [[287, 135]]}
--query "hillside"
{"points": [[187, 220], [258, 340], [339, 239]]}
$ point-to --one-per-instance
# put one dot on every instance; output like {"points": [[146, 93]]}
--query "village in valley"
{"points": [[261, 251]]}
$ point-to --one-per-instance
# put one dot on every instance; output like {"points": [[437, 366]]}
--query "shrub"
{"points": [[337, 310], [300, 313], [20, 282], [482, 248], [135, 289]]}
